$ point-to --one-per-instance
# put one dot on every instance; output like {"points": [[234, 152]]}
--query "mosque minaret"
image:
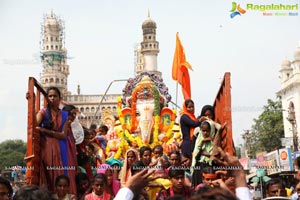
{"points": [[54, 55], [149, 49]]}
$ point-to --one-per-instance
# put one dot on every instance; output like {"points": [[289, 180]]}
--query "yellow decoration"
{"points": [[107, 150], [169, 132]]}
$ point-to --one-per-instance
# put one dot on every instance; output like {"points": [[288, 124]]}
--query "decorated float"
{"points": [[144, 119]]}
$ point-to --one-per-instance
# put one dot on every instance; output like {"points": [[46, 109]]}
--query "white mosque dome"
{"points": [[149, 23]]}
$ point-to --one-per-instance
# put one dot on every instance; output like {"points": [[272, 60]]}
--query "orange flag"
{"points": [[180, 68], [184, 80]]}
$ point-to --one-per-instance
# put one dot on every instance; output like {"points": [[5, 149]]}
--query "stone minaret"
{"points": [[149, 47], [54, 55], [286, 70]]}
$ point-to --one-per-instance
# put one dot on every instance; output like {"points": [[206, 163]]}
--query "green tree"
{"points": [[267, 129], [12, 152]]}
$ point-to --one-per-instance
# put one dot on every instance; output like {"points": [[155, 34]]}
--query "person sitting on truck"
{"points": [[100, 138], [53, 124], [71, 149], [207, 113], [202, 151], [188, 122]]}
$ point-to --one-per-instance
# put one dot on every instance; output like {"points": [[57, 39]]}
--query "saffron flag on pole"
{"points": [[184, 80], [180, 68]]}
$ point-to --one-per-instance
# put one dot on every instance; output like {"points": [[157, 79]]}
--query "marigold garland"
{"points": [[107, 150], [131, 139], [123, 146], [118, 153], [169, 131], [155, 132]]}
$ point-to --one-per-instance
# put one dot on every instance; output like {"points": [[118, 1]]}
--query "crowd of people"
{"points": [[198, 169]]}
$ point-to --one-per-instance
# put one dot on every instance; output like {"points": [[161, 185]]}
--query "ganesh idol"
{"points": [[143, 113]]}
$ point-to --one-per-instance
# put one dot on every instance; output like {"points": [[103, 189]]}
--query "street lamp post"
{"points": [[295, 136], [98, 108], [247, 140], [292, 119]]}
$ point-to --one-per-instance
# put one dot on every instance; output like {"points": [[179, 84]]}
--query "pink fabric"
{"points": [[50, 155], [115, 183], [91, 196], [72, 161]]}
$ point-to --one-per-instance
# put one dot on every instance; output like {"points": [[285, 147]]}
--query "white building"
{"points": [[290, 95]]}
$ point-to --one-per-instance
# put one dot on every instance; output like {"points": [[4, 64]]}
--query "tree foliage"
{"points": [[12, 153], [267, 129]]}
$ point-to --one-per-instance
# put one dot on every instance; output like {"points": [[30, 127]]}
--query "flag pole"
{"points": [[176, 94]]}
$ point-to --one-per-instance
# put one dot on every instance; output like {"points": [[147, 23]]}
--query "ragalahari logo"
{"points": [[236, 10]]}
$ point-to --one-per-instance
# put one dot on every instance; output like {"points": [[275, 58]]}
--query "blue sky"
{"points": [[101, 35]]}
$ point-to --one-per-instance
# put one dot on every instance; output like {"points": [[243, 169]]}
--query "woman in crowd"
{"points": [[53, 125], [186, 162], [165, 163], [113, 185], [175, 158], [131, 157], [116, 165], [188, 122], [99, 183], [145, 155], [62, 184]]}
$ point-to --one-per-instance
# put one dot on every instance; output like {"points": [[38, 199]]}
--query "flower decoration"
{"points": [[144, 90]]}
